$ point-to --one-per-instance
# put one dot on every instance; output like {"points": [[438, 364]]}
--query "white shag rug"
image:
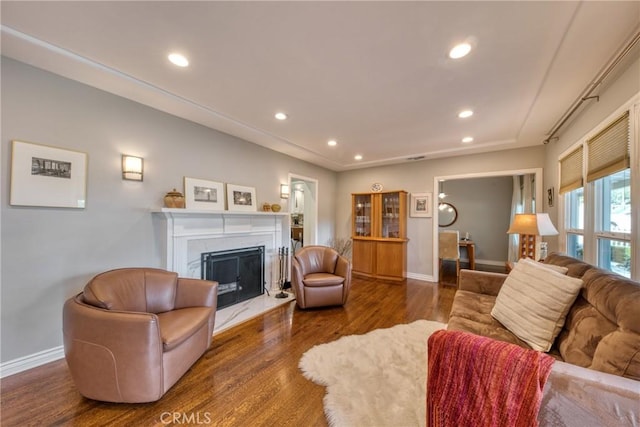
{"points": [[378, 379]]}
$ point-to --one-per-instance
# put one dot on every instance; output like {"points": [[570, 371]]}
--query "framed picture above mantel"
{"points": [[201, 194], [241, 198]]}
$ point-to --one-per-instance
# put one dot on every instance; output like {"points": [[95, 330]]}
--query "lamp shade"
{"points": [[533, 224]]}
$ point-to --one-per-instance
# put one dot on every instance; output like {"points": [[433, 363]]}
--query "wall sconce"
{"points": [[284, 191], [132, 167]]}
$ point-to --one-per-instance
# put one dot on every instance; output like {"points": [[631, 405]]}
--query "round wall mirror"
{"points": [[447, 214]]}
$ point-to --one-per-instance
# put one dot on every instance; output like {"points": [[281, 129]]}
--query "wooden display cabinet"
{"points": [[379, 233]]}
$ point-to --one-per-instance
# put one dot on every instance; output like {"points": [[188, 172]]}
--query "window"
{"points": [[571, 184], [595, 183], [574, 214], [613, 222]]}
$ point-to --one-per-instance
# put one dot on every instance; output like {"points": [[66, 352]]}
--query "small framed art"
{"points": [[47, 176], [240, 198], [421, 205], [203, 195]]}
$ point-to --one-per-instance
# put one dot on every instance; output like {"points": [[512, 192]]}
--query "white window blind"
{"points": [[608, 151]]}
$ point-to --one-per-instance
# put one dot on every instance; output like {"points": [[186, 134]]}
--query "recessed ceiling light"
{"points": [[281, 116], [332, 142], [460, 50], [465, 113], [467, 139], [358, 157], [179, 60]]}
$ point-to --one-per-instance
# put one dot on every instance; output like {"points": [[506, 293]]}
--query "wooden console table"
{"points": [[471, 252]]}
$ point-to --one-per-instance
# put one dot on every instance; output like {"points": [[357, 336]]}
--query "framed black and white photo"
{"points": [[421, 205], [47, 176], [240, 198], [204, 195]]}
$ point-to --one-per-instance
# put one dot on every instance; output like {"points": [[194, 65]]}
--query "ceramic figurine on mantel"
{"points": [[174, 199]]}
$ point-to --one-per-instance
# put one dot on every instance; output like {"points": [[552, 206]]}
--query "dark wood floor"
{"points": [[249, 376]]}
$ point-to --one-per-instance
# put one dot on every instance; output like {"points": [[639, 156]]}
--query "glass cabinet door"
{"points": [[390, 215], [362, 215]]}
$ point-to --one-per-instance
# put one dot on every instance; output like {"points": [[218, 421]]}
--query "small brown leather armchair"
{"points": [[134, 332], [320, 277]]}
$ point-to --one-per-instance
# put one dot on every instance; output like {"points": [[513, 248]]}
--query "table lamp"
{"points": [[530, 227]]}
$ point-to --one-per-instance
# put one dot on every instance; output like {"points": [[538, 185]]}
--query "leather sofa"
{"points": [[320, 277], [134, 332], [596, 378]]}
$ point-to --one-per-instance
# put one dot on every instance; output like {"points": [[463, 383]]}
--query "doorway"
{"points": [[303, 208], [437, 182]]}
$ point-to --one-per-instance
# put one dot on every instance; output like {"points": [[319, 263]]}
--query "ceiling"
{"points": [[375, 76]]}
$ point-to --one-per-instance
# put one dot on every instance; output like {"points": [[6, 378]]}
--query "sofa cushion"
{"points": [[322, 279], [481, 282], [557, 268], [576, 268], [583, 330], [471, 312], [603, 327], [617, 298], [618, 353], [533, 303], [177, 326]]}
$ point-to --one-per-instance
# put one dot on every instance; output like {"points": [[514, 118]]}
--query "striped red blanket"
{"points": [[477, 381]]}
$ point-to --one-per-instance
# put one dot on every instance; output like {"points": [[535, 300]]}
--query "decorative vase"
{"points": [[266, 207], [276, 207], [174, 199]]}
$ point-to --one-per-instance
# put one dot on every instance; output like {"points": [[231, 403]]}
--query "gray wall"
{"points": [[418, 177], [484, 210], [49, 254]]}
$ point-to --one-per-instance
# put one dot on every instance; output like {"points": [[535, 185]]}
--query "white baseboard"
{"points": [[490, 262], [423, 277], [431, 278], [21, 364], [484, 262]]}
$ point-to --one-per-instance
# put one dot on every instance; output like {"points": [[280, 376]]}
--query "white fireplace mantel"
{"points": [[185, 234]]}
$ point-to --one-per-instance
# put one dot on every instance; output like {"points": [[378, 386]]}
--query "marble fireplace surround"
{"points": [[185, 234]]}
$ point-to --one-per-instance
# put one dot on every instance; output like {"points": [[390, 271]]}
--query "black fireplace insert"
{"points": [[239, 273]]}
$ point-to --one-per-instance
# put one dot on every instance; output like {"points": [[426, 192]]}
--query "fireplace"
{"points": [[184, 235], [239, 273]]}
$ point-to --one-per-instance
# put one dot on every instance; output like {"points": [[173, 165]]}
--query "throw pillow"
{"points": [[560, 269], [533, 303]]}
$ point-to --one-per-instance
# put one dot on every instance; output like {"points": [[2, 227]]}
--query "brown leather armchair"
{"points": [[320, 277], [134, 332]]}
